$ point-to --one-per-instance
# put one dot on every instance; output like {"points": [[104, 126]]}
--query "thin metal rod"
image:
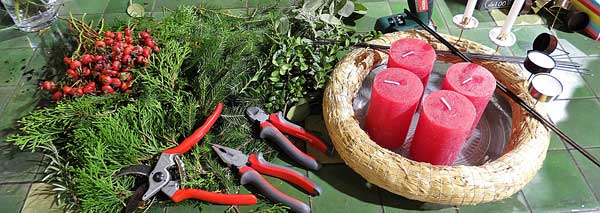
{"points": [[509, 93], [578, 98]]}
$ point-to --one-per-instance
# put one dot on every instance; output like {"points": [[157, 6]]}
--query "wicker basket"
{"points": [[454, 185]]}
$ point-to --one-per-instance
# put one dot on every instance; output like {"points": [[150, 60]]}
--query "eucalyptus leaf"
{"points": [[330, 19], [360, 9], [298, 112], [135, 10], [310, 6], [347, 9]]}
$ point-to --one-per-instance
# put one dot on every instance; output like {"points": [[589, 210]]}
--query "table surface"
{"points": [[566, 182]]}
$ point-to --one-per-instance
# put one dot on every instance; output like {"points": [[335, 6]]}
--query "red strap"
{"points": [[190, 141], [213, 197], [297, 132], [282, 173]]}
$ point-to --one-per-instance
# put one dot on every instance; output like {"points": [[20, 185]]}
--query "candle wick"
{"points": [[407, 54], [446, 103], [467, 80], [391, 82]]}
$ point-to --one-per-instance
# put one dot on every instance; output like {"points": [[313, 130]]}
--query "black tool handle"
{"points": [[268, 131], [258, 163], [251, 176]]}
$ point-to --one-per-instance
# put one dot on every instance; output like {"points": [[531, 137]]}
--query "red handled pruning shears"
{"points": [[163, 177], [251, 166], [270, 128]]}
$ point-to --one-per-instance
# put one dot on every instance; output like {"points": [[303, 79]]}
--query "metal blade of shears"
{"points": [[136, 199], [143, 170]]}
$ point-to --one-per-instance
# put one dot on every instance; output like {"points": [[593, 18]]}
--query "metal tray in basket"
{"points": [[487, 141]]}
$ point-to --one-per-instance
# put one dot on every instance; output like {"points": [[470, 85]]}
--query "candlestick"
{"points": [[545, 87], [466, 20], [394, 98], [538, 62], [503, 36]]}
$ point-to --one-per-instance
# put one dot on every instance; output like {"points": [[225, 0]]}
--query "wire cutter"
{"points": [[163, 177], [270, 128], [251, 166]]}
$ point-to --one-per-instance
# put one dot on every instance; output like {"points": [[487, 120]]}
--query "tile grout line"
{"points": [[587, 84], [25, 199], [380, 199], [526, 201], [585, 179], [443, 17]]}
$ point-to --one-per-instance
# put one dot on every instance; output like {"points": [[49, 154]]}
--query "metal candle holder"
{"points": [[545, 87], [464, 23]]}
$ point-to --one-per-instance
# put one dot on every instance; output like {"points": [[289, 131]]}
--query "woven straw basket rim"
{"points": [[453, 185]]}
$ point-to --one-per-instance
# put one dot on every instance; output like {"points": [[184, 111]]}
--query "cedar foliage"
{"points": [[206, 57]]}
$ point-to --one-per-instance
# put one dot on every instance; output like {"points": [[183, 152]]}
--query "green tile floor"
{"points": [[566, 182]]}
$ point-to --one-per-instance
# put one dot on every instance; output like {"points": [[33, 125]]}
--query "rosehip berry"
{"points": [[127, 31], [146, 52], [105, 79], [86, 72], [116, 65], [126, 58], [78, 92], [144, 34], [67, 60], [67, 90], [109, 41], [91, 84], [148, 42], [72, 73], [48, 85], [140, 59], [57, 96], [88, 90], [119, 36], [100, 44], [125, 86], [86, 59], [75, 64], [109, 34], [115, 82], [98, 58], [128, 40], [98, 67], [107, 89]]}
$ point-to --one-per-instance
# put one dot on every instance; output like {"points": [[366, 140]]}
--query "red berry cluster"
{"points": [[108, 70]]}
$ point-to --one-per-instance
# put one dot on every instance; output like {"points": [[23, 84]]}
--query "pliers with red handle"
{"points": [[163, 178], [271, 127], [251, 166]]}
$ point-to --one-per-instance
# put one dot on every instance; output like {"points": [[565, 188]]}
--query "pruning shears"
{"points": [[164, 177], [273, 124], [250, 168]]}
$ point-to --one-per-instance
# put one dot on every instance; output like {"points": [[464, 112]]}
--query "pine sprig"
{"points": [[205, 58]]}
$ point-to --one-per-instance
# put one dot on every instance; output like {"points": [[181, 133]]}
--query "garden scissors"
{"points": [[271, 126], [164, 177], [251, 166]]}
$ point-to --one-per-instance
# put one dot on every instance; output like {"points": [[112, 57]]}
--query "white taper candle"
{"points": [[510, 19], [469, 9]]}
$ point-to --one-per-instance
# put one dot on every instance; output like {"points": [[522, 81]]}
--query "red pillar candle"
{"points": [[472, 81], [446, 118], [414, 55], [394, 98]]}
